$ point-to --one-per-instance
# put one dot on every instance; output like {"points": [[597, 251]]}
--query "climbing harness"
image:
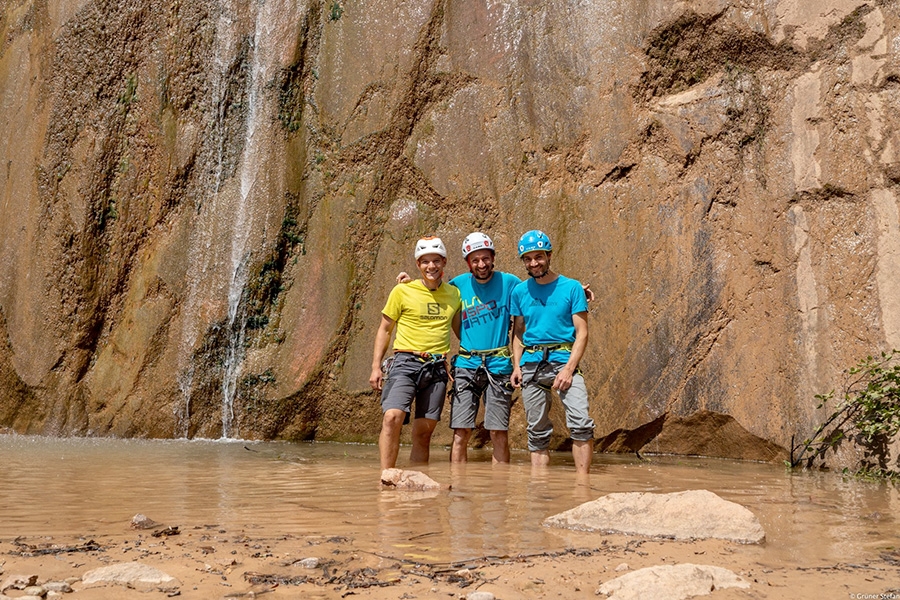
{"points": [[502, 352], [546, 349], [482, 372]]}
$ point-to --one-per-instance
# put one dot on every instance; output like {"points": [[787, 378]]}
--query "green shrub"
{"points": [[868, 414]]}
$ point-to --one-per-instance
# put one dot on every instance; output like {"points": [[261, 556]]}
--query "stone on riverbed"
{"points": [[132, 574], [140, 521], [694, 514], [409, 480], [17, 582], [62, 587], [671, 582]]}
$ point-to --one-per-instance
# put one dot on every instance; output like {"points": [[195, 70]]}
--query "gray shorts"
{"points": [[536, 396], [469, 386], [413, 378]]}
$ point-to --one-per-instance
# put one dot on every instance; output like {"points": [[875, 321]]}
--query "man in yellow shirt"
{"points": [[424, 312]]}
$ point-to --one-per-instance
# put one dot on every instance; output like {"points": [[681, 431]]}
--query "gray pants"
{"points": [[537, 378], [469, 386]]}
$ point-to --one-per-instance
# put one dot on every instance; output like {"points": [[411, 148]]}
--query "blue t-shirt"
{"points": [[485, 318], [547, 310]]}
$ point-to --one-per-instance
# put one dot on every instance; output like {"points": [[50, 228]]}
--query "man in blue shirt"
{"points": [[550, 333], [483, 366]]}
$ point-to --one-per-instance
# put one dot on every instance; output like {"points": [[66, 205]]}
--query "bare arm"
{"points": [[457, 323], [563, 379], [382, 339], [517, 349]]}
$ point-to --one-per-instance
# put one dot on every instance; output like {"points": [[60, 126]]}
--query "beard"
{"points": [[486, 274], [539, 274]]}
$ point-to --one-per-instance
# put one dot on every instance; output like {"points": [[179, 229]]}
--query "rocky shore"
{"points": [[147, 559]]}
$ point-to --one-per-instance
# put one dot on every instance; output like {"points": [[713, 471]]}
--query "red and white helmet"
{"points": [[430, 245], [476, 241]]}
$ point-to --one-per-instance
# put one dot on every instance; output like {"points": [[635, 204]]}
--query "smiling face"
{"points": [[431, 266], [481, 264], [537, 263]]}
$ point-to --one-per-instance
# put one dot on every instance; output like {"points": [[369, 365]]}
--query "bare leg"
{"points": [[500, 442], [421, 440], [389, 439], [582, 452], [460, 445], [540, 458]]}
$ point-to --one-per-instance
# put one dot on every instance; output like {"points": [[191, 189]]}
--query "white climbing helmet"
{"points": [[476, 241], [430, 245]]}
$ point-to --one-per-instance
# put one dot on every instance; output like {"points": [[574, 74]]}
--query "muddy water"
{"points": [[95, 486]]}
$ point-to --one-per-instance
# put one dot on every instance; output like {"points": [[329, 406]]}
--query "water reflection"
{"points": [[95, 486]]}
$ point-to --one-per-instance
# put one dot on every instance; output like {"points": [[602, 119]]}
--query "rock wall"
{"points": [[203, 202]]}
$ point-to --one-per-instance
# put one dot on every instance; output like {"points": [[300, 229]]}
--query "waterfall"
{"points": [[240, 253], [225, 218], [264, 60]]}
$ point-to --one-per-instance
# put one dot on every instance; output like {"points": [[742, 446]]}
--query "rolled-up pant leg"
{"points": [[575, 401]]}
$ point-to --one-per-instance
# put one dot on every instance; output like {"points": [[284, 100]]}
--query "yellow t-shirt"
{"points": [[424, 317]]}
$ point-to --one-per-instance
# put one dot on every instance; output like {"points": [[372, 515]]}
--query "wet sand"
{"points": [[218, 563]]}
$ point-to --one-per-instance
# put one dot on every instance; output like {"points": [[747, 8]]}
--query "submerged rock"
{"points": [[671, 582], [693, 514], [409, 480], [131, 574]]}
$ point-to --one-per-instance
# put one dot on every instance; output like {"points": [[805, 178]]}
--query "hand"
{"points": [[563, 380], [376, 379], [587, 292], [516, 378], [403, 277]]}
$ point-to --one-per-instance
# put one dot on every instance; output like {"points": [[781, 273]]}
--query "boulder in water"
{"points": [[693, 514], [409, 480]]}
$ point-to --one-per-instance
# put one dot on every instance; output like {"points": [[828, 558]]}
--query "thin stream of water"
{"points": [[250, 37], [95, 486]]}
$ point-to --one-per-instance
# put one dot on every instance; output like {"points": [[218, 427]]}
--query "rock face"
{"points": [[671, 582], [202, 205], [694, 514]]}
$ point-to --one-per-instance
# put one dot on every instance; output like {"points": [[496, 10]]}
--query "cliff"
{"points": [[203, 203]]}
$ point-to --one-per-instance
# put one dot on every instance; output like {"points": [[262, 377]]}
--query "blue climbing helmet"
{"points": [[534, 240]]}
